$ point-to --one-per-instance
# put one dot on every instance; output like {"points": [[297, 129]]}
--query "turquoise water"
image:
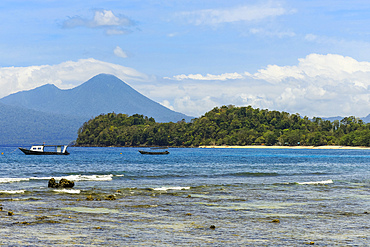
{"points": [[252, 197]]}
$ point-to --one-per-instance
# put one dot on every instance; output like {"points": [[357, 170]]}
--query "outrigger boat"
{"points": [[40, 150]]}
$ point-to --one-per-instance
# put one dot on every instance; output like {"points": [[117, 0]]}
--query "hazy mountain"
{"points": [[101, 94], [365, 119], [49, 114], [331, 119], [24, 126]]}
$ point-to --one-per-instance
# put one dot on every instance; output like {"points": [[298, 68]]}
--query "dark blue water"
{"points": [[319, 196]]}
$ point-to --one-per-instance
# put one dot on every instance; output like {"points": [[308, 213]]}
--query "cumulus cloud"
{"points": [[318, 85], [331, 67], [208, 77], [245, 13], [119, 52], [114, 25], [65, 75]]}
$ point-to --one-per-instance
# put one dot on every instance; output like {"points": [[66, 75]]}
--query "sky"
{"points": [[310, 57]]}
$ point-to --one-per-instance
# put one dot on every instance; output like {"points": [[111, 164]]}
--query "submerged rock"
{"points": [[63, 183], [89, 198], [110, 197]]}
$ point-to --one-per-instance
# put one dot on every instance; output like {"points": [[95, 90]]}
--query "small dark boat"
{"points": [[40, 150], [154, 153]]}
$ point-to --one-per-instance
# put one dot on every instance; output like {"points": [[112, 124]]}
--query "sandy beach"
{"points": [[290, 147]]}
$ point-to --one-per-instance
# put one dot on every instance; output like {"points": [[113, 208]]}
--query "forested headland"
{"points": [[226, 125]]}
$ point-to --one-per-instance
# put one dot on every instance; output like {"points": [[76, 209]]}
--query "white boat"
{"points": [[50, 150]]}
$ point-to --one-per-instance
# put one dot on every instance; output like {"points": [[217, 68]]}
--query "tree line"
{"points": [[226, 125]]}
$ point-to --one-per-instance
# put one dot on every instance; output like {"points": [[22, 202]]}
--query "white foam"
{"points": [[68, 191], [12, 180], [172, 188], [319, 182], [89, 178], [12, 191], [79, 177]]}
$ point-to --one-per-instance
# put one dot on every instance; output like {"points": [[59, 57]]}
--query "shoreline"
{"points": [[290, 147]]}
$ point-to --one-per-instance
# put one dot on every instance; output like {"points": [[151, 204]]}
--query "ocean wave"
{"points": [[329, 181], [12, 180], [12, 191], [172, 188], [79, 177], [68, 191], [70, 177]]}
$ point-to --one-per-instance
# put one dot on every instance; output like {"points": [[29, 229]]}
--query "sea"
{"points": [[190, 197]]}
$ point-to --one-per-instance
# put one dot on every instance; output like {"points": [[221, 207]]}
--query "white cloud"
{"points": [[167, 104], [331, 66], [119, 52], [65, 75], [319, 85], [107, 18], [310, 37], [113, 24], [245, 13], [208, 77]]}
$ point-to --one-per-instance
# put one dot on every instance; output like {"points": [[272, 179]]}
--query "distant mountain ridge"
{"points": [[101, 94], [20, 126], [364, 119], [52, 115]]}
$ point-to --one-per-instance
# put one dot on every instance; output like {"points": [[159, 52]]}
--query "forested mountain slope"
{"points": [[19, 126]]}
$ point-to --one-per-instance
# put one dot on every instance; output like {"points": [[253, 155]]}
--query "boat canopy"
{"points": [[40, 148], [37, 148]]}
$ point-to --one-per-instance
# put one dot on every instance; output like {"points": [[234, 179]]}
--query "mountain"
{"points": [[101, 94], [49, 114], [20, 126], [331, 119], [365, 119]]}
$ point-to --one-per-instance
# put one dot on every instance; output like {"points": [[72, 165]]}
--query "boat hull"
{"points": [[153, 153], [30, 152]]}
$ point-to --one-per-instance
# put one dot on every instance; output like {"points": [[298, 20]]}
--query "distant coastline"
{"points": [[290, 147]]}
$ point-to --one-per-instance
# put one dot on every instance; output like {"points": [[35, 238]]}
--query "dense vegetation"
{"points": [[227, 125]]}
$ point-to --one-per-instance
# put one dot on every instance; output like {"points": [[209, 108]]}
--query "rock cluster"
{"points": [[63, 183]]}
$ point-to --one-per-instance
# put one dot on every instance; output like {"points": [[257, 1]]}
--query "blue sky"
{"points": [[308, 57]]}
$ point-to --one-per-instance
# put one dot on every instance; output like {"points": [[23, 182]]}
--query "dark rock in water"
{"points": [[212, 227], [52, 183], [110, 197], [63, 183], [89, 198]]}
